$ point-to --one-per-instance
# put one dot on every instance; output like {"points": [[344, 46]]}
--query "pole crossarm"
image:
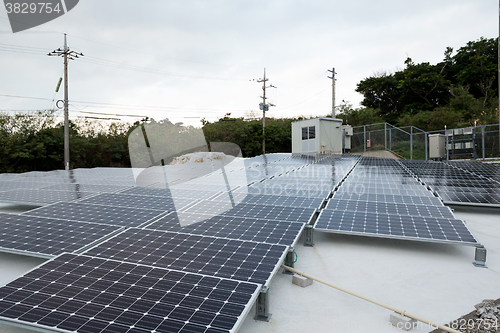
{"points": [[264, 107]]}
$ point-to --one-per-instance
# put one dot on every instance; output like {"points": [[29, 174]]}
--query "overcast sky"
{"points": [[185, 60]]}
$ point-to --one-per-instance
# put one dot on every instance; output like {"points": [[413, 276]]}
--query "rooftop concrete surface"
{"points": [[436, 281], [433, 280]]}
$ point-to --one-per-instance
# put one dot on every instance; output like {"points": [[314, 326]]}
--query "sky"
{"points": [[194, 59]]}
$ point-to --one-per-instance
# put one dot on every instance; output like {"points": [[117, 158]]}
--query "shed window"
{"points": [[308, 132], [312, 132], [304, 133]]}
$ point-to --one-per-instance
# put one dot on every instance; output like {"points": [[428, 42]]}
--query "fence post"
{"points": [[370, 138], [426, 145], [411, 142], [447, 150], [385, 136], [482, 140], [364, 136], [390, 139]]}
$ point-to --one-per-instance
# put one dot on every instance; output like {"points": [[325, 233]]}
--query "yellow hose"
{"points": [[387, 306]]}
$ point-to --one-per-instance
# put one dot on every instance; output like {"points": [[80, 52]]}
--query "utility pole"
{"points": [[264, 107], [333, 90], [66, 53]]}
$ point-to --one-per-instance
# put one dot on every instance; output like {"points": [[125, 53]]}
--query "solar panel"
{"points": [[47, 237], [40, 197], [129, 217], [78, 293], [390, 208], [275, 200], [389, 198], [469, 183], [290, 189], [242, 228], [226, 258], [359, 188], [472, 198], [137, 201], [161, 192], [290, 214], [395, 226], [85, 188]]}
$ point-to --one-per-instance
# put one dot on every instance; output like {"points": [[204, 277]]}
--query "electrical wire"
{"points": [[113, 64], [152, 54], [305, 100], [130, 106]]}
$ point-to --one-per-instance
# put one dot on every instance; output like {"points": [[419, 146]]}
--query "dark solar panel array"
{"points": [[48, 237], [41, 197], [280, 213], [275, 200], [241, 228], [390, 208], [363, 205], [133, 201], [422, 228], [198, 269], [77, 293], [220, 257], [130, 217], [470, 183], [388, 198], [85, 188]]}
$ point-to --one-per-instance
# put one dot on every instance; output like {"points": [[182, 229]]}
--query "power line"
{"points": [[114, 64], [303, 101], [130, 106], [159, 56]]}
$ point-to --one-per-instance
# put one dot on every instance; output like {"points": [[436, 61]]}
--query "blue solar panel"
{"points": [[221, 257], [81, 294]]}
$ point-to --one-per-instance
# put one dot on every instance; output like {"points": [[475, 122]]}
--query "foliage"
{"points": [[359, 116], [248, 134], [35, 141], [460, 89], [402, 148]]}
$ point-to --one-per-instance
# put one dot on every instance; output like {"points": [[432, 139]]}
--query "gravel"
{"points": [[485, 319]]}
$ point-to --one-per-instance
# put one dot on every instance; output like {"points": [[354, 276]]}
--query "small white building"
{"points": [[318, 135]]}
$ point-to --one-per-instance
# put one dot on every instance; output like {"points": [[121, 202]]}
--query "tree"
{"points": [[382, 92], [359, 116], [423, 86], [475, 66]]}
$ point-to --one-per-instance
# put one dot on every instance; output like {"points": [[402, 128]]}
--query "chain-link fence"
{"points": [[410, 142], [407, 142]]}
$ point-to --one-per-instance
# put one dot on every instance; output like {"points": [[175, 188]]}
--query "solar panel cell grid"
{"points": [[276, 200], [395, 226], [137, 201], [389, 198], [242, 228], [83, 294], [40, 197], [390, 208], [48, 237], [227, 258], [290, 214], [129, 217]]}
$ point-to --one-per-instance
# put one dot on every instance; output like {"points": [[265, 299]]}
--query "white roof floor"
{"points": [[435, 281]]}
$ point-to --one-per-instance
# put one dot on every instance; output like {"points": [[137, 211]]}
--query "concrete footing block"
{"points": [[301, 281], [402, 322]]}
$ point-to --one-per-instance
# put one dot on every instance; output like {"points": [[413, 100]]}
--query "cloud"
{"points": [[201, 54]]}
